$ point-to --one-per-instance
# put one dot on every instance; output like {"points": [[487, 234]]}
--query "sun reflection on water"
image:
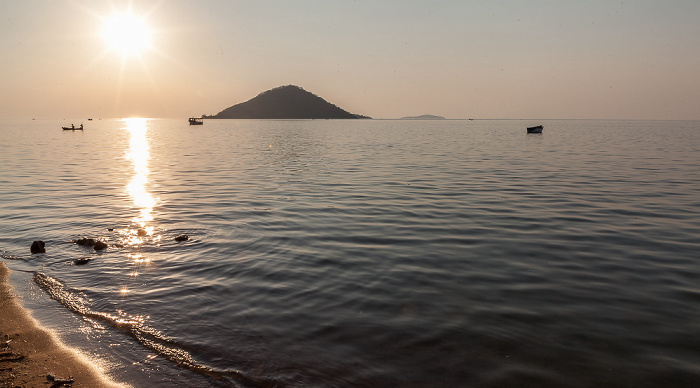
{"points": [[141, 231], [138, 154]]}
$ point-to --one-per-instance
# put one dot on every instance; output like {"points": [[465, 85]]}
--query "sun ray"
{"points": [[152, 82]]}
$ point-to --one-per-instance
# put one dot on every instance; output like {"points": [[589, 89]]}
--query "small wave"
{"points": [[7, 256], [136, 328]]}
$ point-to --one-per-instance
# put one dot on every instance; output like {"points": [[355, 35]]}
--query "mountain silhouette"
{"points": [[285, 102], [423, 117]]}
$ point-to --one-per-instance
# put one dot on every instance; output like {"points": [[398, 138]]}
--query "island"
{"points": [[285, 102], [423, 117]]}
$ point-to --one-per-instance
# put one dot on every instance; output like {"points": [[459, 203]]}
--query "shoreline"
{"points": [[30, 355]]}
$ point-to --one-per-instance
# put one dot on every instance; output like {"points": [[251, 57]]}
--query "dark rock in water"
{"points": [[99, 245], [38, 247], [182, 237], [141, 232], [110, 229], [85, 241], [82, 261]]}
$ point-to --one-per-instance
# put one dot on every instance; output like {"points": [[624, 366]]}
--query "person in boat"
{"points": [[81, 126], [72, 126]]}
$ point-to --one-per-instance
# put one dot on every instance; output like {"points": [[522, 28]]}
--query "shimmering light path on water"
{"points": [[364, 253], [138, 154]]}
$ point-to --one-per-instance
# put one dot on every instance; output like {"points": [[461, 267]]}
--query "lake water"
{"points": [[362, 253]]}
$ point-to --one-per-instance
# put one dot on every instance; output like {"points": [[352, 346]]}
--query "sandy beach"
{"points": [[31, 356]]}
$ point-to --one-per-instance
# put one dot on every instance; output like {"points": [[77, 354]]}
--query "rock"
{"points": [[82, 261], [38, 247], [99, 245], [110, 229], [182, 237], [58, 381], [141, 232], [85, 241]]}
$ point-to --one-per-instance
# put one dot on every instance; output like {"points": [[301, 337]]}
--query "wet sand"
{"points": [[30, 355]]}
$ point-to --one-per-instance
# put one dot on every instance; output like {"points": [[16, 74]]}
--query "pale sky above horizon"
{"points": [[544, 59]]}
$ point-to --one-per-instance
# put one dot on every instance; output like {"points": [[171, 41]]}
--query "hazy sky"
{"points": [[626, 59]]}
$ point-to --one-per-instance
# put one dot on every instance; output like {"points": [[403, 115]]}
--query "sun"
{"points": [[126, 34]]}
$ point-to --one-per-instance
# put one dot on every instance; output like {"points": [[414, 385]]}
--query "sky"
{"points": [[510, 59]]}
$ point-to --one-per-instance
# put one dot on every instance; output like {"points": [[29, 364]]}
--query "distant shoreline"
{"points": [[423, 117]]}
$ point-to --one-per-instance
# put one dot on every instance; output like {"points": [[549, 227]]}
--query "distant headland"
{"points": [[424, 117], [285, 102]]}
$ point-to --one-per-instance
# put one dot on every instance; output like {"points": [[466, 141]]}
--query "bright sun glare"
{"points": [[127, 34]]}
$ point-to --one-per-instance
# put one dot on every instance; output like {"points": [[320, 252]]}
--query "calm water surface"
{"points": [[363, 253]]}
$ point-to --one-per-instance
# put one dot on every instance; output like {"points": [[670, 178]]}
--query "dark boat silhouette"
{"points": [[196, 121], [536, 129], [73, 128]]}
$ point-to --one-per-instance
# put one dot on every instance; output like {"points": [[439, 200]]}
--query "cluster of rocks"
{"points": [[40, 247], [91, 242]]}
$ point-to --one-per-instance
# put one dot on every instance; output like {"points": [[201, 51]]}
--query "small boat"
{"points": [[196, 121], [73, 128], [537, 129]]}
